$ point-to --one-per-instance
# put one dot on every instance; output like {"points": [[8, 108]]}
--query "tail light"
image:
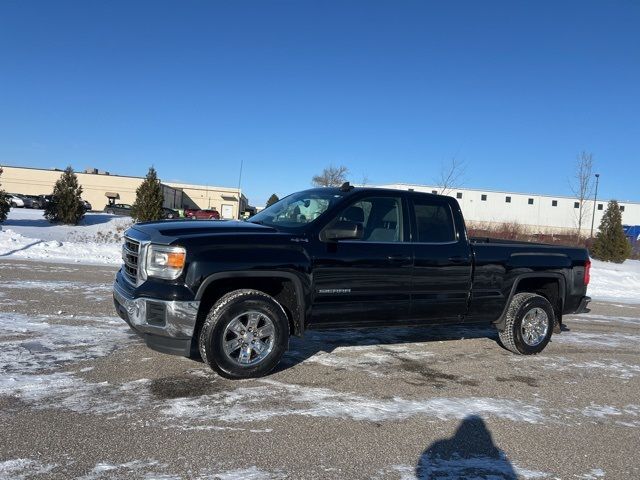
{"points": [[587, 272]]}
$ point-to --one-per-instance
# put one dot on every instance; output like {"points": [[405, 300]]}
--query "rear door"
{"points": [[366, 281], [442, 260]]}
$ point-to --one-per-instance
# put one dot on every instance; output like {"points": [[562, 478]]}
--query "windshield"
{"points": [[298, 209]]}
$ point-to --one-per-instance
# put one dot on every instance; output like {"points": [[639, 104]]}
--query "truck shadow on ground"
{"points": [[470, 453], [317, 341]]}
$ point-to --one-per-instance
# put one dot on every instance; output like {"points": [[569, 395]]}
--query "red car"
{"points": [[197, 214]]}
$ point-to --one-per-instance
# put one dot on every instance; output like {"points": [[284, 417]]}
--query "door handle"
{"points": [[398, 258], [458, 259]]}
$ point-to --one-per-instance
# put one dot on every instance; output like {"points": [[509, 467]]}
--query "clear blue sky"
{"points": [[390, 89]]}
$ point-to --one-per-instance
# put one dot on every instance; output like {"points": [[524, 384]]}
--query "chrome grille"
{"points": [[130, 252]]}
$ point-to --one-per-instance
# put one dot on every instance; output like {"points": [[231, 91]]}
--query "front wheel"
{"points": [[528, 325], [244, 335]]}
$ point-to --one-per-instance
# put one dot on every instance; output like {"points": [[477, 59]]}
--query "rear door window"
{"points": [[434, 221]]}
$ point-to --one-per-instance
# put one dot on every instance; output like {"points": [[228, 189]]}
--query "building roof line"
{"points": [[170, 184], [479, 190]]}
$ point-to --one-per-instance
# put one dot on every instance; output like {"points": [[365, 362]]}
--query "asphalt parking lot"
{"points": [[82, 397]]}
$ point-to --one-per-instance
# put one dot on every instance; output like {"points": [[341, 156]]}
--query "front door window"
{"points": [[380, 217]]}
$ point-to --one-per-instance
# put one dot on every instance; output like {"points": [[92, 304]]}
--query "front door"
{"points": [[365, 281]]}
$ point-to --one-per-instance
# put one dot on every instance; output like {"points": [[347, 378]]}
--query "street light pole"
{"points": [[239, 184], [595, 199]]}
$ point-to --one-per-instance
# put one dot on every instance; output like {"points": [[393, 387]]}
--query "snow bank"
{"points": [[615, 282], [26, 234]]}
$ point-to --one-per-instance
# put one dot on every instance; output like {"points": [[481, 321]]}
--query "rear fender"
{"points": [[558, 277]]}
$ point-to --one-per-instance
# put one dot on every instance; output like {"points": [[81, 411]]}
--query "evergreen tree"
{"points": [[5, 206], [66, 205], [272, 199], [149, 199], [611, 245]]}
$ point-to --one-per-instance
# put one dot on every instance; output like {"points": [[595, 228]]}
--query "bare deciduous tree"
{"points": [[451, 175], [582, 187], [331, 177]]}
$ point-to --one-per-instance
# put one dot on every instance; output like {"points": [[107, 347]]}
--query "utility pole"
{"points": [[239, 183], [595, 199]]}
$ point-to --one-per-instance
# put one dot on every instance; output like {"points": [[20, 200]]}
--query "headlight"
{"points": [[164, 262]]}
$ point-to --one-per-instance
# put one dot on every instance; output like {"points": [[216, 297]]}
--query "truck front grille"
{"points": [[130, 252]]}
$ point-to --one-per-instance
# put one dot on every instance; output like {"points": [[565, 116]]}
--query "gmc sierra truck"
{"points": [[233, 292]]}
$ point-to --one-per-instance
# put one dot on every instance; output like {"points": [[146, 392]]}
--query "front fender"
{"points": [[301, 284]]}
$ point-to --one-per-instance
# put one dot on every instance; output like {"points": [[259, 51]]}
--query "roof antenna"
{"points": [[345, 187]]}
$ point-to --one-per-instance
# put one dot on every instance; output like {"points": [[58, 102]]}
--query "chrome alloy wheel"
{"points": [[535, 325], [248, 338]]}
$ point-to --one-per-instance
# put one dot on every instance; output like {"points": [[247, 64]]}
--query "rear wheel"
{"points": [[244, 335], [111, 212], [528, 324]]}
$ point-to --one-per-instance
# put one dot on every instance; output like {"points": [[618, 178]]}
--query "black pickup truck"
{"points": [[233, 292]]}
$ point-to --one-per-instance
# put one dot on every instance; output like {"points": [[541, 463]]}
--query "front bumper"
{"points": [[166, 326]]}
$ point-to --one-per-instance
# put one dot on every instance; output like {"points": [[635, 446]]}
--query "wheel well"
{"points": [[282, 289], [549, 288]]}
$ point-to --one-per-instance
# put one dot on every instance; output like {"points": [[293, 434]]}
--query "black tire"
{"points": [[512, 336], [225, 310], [110, 212], [14, 205]]}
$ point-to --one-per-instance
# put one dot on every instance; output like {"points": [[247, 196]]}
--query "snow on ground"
{"points": [[32, 224], [26, 234], [613, 282], [37, 354], [22, 468], [472, 467]]}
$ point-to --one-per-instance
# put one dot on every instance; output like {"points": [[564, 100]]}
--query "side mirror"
{"points": [[343, 231]]}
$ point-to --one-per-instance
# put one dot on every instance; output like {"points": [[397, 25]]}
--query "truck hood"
{"points": [[169, 230]]}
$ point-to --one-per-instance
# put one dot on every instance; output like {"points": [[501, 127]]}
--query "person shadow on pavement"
{"points": [[470, 453]]}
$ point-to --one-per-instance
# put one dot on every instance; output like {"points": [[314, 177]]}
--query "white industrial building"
{"points": [[539, 213]]}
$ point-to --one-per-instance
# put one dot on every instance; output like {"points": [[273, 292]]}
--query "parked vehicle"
{"points": [[86, 205], [118, 209], [45, 200], [197, 214], [334, 258], [170, 213], [27, 200], [16, 201], [32, 201]]}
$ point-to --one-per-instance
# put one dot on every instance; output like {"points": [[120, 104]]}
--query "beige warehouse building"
{"points": [[98, 186]]}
